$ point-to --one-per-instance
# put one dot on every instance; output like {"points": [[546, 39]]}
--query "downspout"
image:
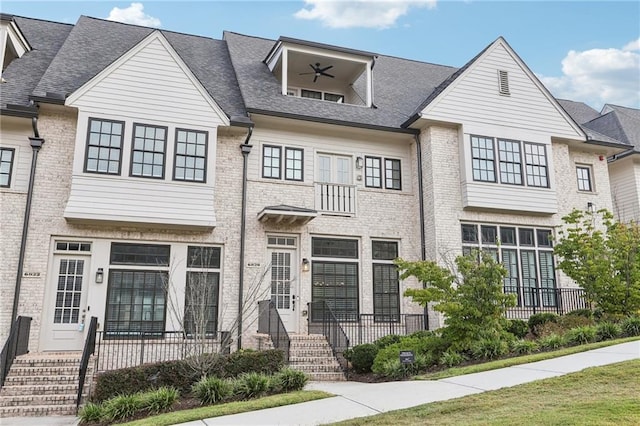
{"points": [[246, 149], [423, 244], [36, 143]]}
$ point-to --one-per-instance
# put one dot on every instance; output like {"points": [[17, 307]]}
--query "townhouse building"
{"points": [[133, 159]]}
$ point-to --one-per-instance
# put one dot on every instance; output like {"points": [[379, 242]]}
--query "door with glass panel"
{"points": [[284, 280], [335, 192], [64, 326]]}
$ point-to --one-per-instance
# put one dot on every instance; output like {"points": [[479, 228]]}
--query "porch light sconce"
{"points": [[305, 265], [591, 207], [359, 162], [99, 276]]}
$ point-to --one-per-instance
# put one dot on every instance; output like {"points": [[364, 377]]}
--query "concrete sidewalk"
{"points": [[356, 399]]}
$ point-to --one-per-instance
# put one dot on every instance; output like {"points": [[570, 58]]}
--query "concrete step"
{"points": [[21, 370], [312, 368], [314, 360], [327, 377], [319, 352], [38, 411], [37, 400], [47, 389], [47, 362]]}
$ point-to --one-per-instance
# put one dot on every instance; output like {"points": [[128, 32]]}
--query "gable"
{"points": [[475, 97], [150, 82]]}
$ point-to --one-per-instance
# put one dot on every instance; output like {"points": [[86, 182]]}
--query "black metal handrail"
{"points": [[269, 322], [326, 323], [555, 300], [89, 349], [17, 344], [133, 348]]}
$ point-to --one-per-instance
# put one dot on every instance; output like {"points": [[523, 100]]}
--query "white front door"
{"points": [[284, 286], [64, 322]]}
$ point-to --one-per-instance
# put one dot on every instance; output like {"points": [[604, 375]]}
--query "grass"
{"points": [[596, 396], [217, 410], [509, 362]]}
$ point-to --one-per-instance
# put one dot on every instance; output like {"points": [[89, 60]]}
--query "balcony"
{"points": [[338, 199]]}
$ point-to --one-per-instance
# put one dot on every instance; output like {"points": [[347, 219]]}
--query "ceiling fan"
{"points": [[318, 71]]}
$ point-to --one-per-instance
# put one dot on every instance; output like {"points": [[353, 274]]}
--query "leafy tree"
{"points": [[473, 301], [603, 257]]}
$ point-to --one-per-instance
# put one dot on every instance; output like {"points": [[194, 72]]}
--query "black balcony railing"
{"points": [[326, 323], [142, 347], [556, 300], [17, 344], [269, 322]]}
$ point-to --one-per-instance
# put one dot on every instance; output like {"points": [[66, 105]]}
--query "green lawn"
{"points": [[608, 395], [230, 408]]}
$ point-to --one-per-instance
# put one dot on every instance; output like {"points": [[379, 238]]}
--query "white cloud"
{"points": [[600, 76], [359, 13], [133, 14]]}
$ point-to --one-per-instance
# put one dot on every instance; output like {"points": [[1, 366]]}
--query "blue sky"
{"points": [[587, 51]]}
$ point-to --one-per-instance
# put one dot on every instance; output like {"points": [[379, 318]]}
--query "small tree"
{"points": [[603, 257], [472, 300]]}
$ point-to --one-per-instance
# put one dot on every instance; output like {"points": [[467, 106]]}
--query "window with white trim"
{"points": [[583, 173], [334, 277], [148, 151], [386, 283], [104, 146], [6, 166], [525, 252], [334, 169]]}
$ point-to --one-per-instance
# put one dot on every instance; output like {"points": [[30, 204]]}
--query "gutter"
{"points": [[36, 143], [423, 243], [246, 149]]}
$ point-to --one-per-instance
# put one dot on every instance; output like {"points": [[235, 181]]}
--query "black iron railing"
{"points": [[371, 327], [131, 349], [17, 344], [89, 349], [325, 323], [269, 322], [556, 300]]}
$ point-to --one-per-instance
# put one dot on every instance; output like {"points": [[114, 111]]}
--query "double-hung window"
{"points": [[272, 163], [510, 162], [483, 159], [584, 178], [201, 291], [6, 166], [525, 252], [536, 165], [373, 173], [136, 294], [190, 160], [386, 285], [148, 151], [334, 279], [104, 146]]}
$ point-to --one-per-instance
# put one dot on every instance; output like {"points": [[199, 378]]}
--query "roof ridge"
{"points": [[41, 20]]}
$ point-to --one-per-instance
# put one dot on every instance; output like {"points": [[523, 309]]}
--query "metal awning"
{"points": [[286, 215]]}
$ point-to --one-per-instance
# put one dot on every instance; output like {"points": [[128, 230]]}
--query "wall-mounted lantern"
{"points": [[99, 276]]}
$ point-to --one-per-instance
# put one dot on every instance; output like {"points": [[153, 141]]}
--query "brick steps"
{"points": [[41, 385], [312, 355]]}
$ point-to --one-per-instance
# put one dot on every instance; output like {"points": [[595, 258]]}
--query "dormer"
{"points": [[323, 72], [13, 44]]}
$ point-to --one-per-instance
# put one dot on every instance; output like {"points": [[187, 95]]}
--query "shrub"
{"points": [[581, 335], [586, 313], [451, 358], [522, 347], [567, 322], [211, 390], [608, 330], [122, 407], [90, 413], [431, 346], [288, 380], [552, 341], [396, 370], [518, 328], [536, 320], [631, 326], [489, 348], [250, 361], [420, 334], [362, 357], [387, 340], [251, 385], [160, 399]]}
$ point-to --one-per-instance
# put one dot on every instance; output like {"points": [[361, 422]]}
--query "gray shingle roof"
{"points": [[579, 111], [400, 85], [23, 74]]}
